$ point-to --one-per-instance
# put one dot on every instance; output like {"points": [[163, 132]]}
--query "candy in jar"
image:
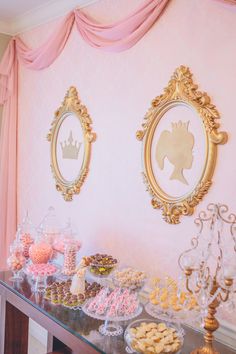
{"points": [[40, 252], [70, 253], [26, 241], [16, 261], [26, 234]]}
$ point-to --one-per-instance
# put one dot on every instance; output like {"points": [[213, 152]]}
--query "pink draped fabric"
{"points": [[40, 58], [123, 34], [230, 2], [115, 37], [8, 150]]}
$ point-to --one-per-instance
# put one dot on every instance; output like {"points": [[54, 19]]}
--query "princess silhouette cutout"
{"points": [[177, 147]]}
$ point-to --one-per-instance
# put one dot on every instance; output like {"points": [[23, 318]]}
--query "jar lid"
{"points": [[50, 223]]}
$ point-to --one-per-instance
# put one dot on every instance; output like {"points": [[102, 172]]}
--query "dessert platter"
{"points": [[112, 306], [146, 336], [167, 302], [59, 293]]}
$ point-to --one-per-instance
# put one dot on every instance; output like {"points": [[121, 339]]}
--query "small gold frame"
{"points": [[73, 105], [181, 90]]}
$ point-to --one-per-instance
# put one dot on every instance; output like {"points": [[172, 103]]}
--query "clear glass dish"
{"points": [[182, 316], [101, 271], [124, 278], [130, 337]]}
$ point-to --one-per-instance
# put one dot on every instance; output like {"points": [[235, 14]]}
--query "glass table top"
{"points": [[86, 328]]}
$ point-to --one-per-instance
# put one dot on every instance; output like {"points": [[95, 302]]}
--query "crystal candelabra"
{"points": [[210, 267]]}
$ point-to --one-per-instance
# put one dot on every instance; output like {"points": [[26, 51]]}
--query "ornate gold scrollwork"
{"points": [[181, 90], [71, 106]]}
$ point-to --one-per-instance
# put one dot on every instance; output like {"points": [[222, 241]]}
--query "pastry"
{"points": [[129, 278], [153, 338]]}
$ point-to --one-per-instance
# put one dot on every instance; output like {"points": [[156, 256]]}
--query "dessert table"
{"points": [[69, 331]]}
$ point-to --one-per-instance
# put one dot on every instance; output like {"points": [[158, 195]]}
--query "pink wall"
{"points": [[113, 211]]}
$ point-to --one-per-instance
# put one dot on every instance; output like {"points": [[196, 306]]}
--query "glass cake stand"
{"points": [[110, 326], [40, 281]]}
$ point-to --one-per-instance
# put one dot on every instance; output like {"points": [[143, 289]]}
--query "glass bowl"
{"points": [[173, 334], [101, 265], [130, 278], [101, 271]]}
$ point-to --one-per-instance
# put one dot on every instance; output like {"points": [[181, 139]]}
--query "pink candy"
{"points": [[16, 262], [40, 253], [41, 269], [26, 241], [69, 266], [59, 245]]}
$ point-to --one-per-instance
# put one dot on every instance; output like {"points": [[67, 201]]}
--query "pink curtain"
{"points": [[8, 150], [115, 37]]}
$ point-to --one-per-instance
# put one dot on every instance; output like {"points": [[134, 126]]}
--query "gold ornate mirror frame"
{"points": [[71, 105], [181, 90]]}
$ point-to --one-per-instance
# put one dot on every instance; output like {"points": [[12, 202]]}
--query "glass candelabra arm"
{"points": [[188, 274], [224, 297], [187, 284], [225, 292]]}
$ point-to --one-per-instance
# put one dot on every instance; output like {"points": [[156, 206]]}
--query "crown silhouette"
{"points": [[180, 126], [70, 151]]}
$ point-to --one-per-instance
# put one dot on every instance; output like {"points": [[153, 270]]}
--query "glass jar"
{"points": [[26, 235], [49, 228], [16, 261], [68, 235], [70, 258]]}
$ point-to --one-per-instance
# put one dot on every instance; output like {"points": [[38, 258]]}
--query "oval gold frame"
{"points": [[181, 90], [71, 105]]}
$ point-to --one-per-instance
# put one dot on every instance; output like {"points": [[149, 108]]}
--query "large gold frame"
{"points": [[71, 104], [181, 90]]}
